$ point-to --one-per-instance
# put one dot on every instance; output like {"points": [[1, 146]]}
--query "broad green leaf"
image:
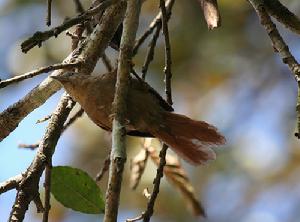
{"points": [[75, 189]]}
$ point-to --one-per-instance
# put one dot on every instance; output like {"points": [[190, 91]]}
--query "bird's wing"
{"points": [[129, 132], [139, 133], [161, 101]]}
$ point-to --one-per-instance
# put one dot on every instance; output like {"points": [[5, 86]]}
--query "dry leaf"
{"points": [[137, 168], [211, 13], [178, 177], [146, 193]]}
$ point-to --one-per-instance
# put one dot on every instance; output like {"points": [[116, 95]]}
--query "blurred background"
{"points": [[229, 77]]}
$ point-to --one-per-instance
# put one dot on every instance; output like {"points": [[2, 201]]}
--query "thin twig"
{"points": [[77, 36], [80, 9], [89, 52], [136, 75], [297, 133], [168, 76], [104, 169], [29, 186], [277, 10], [89, 29], [47, 186], [168, 60], [106, 61], [72, 35], [29, 146], [280, 46], [176, 175], [10, 183], [36, 72], [48, 18], [154, 23], [278, 42], [40, 37], [138, 165], [77, 115], [79, 6], [159, 174], [38, 203], [150, 52], [118, 153], [136, 218], [44, 119]]}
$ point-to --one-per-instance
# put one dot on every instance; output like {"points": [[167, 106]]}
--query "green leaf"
{"points": [[75, 189]]}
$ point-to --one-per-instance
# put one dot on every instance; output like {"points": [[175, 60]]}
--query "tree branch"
{"points": [[40, 37], [88, 52], [79, 6], [28, 187], [168, 60], [47, 186], [159, 174], [154, 23], [10, 184], [48, 17], [78, 114], [36, 72], [280, 46], [283, 15], [150, 51], [104, 169], [29, 146], [107, 63], [118, 153], [168, 75], [297, 133]]}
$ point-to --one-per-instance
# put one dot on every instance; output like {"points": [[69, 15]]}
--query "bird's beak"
{"points": [[60, 78]]}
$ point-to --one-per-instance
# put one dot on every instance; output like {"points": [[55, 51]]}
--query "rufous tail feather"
{"points": [[191, 139]]}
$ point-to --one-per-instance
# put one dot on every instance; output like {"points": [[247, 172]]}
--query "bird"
{"points": [[147, 115]]}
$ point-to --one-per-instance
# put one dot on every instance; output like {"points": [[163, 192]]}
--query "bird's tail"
{"points": [[191, 139]]}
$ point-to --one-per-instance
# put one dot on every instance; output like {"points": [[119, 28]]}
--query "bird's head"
{"points": [[67, 77], [74, 83]]}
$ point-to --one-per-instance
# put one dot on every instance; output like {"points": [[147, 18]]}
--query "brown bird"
{"points": [[148, 114]]}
